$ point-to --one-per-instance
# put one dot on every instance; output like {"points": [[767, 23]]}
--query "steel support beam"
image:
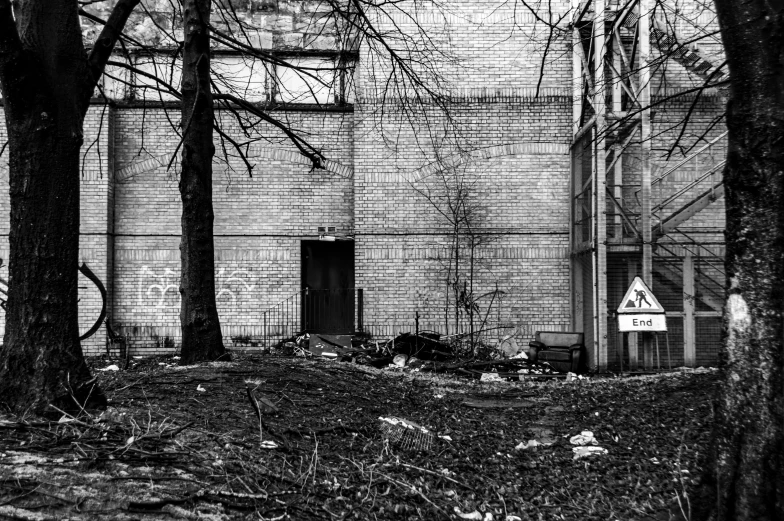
{"points": [[689, 301], [644, 46], [600, 187], [618, 148]]}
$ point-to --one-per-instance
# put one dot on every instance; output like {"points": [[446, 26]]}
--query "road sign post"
{"points": [[640, 311]]}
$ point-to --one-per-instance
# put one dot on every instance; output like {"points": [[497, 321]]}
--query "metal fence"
{"points": [[330, 311]]}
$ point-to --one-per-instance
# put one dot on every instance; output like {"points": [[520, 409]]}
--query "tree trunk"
{"points": [[201, 334], [47, 82], [42, 358], [43, 80], [746, 465]]}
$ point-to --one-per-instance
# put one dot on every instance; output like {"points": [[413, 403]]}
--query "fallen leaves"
{"points": [[160, 452]]}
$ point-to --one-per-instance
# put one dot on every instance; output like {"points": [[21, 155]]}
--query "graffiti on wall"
{"points": [[159, 288], [234, 286]]}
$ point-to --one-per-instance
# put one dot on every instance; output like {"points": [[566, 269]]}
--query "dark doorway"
{"points": [[328, 287]]}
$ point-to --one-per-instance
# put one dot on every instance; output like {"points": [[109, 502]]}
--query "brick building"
{"points": [[477, 213]]}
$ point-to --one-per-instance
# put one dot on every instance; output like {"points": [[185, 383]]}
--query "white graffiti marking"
{"points": [[167, 284], [233, 285], [163, 291]]}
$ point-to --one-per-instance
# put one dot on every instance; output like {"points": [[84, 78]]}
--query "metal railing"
{"points": [[331, 311], [693, 157], [710, 175], [282, 320], [696, 172]]}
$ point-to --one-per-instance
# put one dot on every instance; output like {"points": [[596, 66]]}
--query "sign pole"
{"points": [[658, 358], [641, 312], [669, 357]]}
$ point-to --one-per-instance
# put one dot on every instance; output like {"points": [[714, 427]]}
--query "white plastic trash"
{"points": [[475, 515], [584, 438], [530, 444], [400, 360], [584, 452]]}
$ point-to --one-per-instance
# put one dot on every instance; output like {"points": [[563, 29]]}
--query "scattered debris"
{"points": [[406, 434], [587, 445], [530, 444], [426, 351], [698, 370], [509, 348], [583, 452], [336, 459], [475, 515], [262, 404], [491, 377], [584, 438], [329, 346], [425, 346], [400, 360], [543, 437]]}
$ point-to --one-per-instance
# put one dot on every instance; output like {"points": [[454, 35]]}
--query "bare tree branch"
{"points": [[315, 156], [104, 45]]}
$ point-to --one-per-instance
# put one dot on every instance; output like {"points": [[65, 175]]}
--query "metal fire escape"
{"points": [[618, 205]]}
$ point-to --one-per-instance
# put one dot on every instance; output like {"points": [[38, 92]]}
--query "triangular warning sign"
{"points": [[639, 299]]}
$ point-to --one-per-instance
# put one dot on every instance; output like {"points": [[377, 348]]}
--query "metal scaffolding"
{"points": [[611, 164]]}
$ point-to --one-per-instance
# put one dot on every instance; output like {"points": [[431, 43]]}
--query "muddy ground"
{"points": [[186, 443]]}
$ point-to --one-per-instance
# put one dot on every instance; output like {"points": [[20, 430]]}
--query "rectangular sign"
{"points": [[631, 323]]}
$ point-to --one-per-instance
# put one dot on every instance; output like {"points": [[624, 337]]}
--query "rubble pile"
{"points": [[425, 351]]}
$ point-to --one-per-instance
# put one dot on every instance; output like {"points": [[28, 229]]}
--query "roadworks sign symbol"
{"points": [[639, 299]]}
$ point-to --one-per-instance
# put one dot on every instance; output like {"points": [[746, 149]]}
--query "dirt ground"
{"points": [[186, 443]]}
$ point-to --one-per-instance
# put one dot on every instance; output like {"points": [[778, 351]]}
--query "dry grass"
{"points": [[165, 450]]}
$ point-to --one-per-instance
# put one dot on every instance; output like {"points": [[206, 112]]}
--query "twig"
{"points": [[434, 474], [73, 419], [9, 501], [416, 491], [258, 411], [156, 505], [325, 430], [153, 478], [683, 485], [129, 385], [175, 432]]}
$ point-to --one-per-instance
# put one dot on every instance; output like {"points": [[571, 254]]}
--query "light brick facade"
{"points": [[513, 154]]}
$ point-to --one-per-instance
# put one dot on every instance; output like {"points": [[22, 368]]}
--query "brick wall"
{"points": [[505, 139], [95, 243], [513, 165], [259, 222]]}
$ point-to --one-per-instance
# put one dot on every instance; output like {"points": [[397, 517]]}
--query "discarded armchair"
{"points": [[564, 351]]}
